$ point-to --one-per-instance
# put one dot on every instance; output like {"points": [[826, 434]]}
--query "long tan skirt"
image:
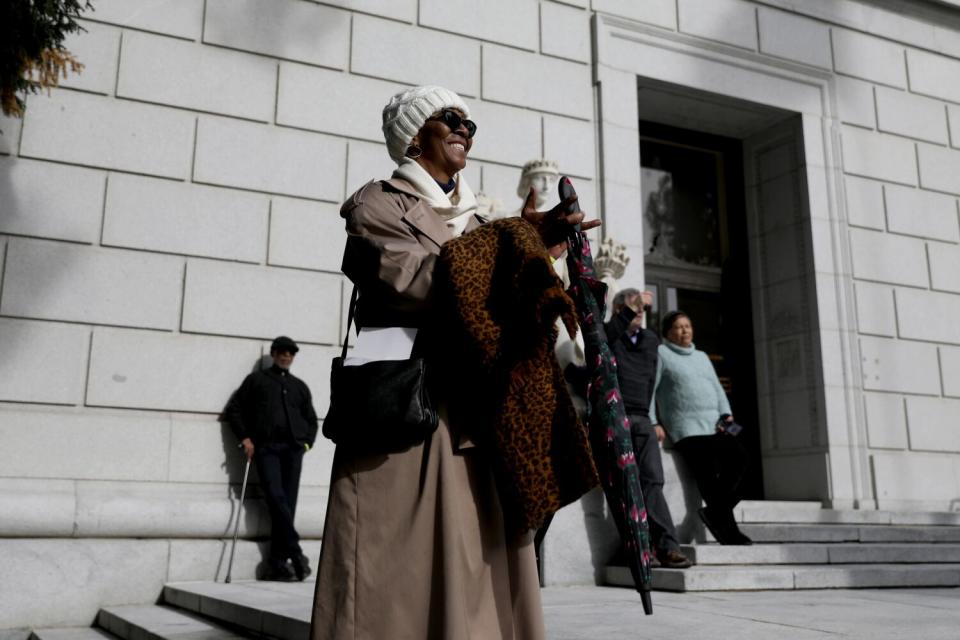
{"points": [[414, 548]]}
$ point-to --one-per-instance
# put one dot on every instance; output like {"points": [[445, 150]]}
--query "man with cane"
{"points": [[272, 416]]}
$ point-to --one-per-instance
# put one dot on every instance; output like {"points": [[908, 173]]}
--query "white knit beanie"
{"points": [[406, 112]]}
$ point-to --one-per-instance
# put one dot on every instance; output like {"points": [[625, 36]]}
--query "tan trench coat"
{"points": [[414, 545]]}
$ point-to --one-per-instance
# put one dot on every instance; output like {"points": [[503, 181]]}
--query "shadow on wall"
{"points": [[46, 223], [688, 524], [601, 530], [9, 143], [255, 516], [683, 497]]}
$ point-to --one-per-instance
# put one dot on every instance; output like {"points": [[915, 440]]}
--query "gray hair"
{"points": [[621, 298]]}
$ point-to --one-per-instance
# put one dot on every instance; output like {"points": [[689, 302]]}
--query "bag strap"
{"points": [[353, 306]]}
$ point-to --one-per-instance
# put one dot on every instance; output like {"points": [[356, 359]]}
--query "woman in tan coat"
{"points": [[414, 545]]}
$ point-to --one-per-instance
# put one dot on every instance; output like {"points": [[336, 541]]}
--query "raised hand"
{"points": [[554, 225]]}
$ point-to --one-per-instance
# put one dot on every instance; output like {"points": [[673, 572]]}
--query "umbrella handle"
{"points": [[576, 236]]}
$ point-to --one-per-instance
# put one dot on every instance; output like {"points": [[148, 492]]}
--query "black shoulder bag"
{"points": [[381, 406]]}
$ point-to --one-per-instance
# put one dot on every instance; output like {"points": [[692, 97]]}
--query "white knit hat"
{"points": [[406, 112]]}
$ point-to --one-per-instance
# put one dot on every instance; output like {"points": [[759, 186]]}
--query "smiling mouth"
{"points": [[459, 145]]}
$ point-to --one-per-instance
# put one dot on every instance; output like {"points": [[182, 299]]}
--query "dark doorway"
{"points": [[696, 259]]}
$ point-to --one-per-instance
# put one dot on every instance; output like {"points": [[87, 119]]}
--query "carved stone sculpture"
{"points": [[541, 175], [611, 260], [490, 207]]}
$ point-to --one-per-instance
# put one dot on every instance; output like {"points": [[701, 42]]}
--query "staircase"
{"points": [[204, 611], [798, 545]]}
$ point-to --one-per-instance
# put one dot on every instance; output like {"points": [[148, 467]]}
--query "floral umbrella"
{"points": [[607, 420]]}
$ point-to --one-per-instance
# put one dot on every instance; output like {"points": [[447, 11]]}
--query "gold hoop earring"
{"points": [[414, 149]]}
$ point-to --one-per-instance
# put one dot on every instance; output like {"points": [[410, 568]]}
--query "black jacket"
{"points": [[636, 363], [271, 406]]}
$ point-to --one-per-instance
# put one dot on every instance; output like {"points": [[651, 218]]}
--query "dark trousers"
{"points": [[278, 465], [647, 451], [718, 462]]}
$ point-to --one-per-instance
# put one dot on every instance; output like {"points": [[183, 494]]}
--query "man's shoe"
{"points": [[673, 559], [301, 567], [622, 559], [278, 572]]}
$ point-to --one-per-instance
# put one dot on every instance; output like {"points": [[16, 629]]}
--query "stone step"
{"points": [[275, 609], [70, 633], [811, 505], [785, 532], [158, 622], [842, 553], [790, 577], [808, 513]]}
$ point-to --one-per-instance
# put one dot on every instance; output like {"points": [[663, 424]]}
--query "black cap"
{"points": [[283, 343]]}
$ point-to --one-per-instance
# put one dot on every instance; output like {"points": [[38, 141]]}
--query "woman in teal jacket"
{"points": [[693, 409]]}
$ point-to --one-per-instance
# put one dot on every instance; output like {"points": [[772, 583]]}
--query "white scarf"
{"points": [[455, 209]]}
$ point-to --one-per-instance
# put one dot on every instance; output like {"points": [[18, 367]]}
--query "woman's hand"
{"points": [[554, 225], [661, 434], [726, 421]]}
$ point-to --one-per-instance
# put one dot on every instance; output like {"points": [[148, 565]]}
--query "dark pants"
{"points": [[718, 462], [278, 465], [538, 543], [647, 451]]}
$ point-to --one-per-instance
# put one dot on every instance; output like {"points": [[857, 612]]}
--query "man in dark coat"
{"points": [[635, 348], [272, 416]]}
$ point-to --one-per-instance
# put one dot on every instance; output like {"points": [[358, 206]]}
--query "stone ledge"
{"points": [[271, 609], [69, 633], [95, 509], [813, 553], [788, 577], [141, 622], [779, 533], [83, 575], [761, 514]]}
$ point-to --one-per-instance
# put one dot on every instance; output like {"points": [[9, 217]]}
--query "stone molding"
{"points": [[42, 508], [623, 45]]}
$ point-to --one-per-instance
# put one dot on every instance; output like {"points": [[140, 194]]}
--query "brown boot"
{"points": [[673, 559]]}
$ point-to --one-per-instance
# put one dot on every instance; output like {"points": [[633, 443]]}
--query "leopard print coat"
{"points": [[497, 300]]}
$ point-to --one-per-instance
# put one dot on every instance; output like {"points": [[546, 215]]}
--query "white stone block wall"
{"points": [[891, 109], [901, 163], [166, 213]]}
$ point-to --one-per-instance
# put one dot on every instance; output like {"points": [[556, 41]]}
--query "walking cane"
{"points": [[236, 529]]}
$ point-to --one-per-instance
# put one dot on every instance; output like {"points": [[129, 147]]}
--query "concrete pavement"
{"points": [[584, 613], [282, 610]]}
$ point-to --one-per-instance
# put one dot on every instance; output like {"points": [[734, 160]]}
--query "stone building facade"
{"points": [[167, 212]]}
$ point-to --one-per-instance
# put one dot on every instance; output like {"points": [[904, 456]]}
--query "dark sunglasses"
{"points": [[453, 120]]}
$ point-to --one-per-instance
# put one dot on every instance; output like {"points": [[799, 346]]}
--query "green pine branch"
{"points": [[32, 55]]}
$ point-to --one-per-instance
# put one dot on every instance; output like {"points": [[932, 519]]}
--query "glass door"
{"points": [[695, 240]]}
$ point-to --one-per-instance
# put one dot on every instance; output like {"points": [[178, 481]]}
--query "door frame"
{"points": [[626, 51]]}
